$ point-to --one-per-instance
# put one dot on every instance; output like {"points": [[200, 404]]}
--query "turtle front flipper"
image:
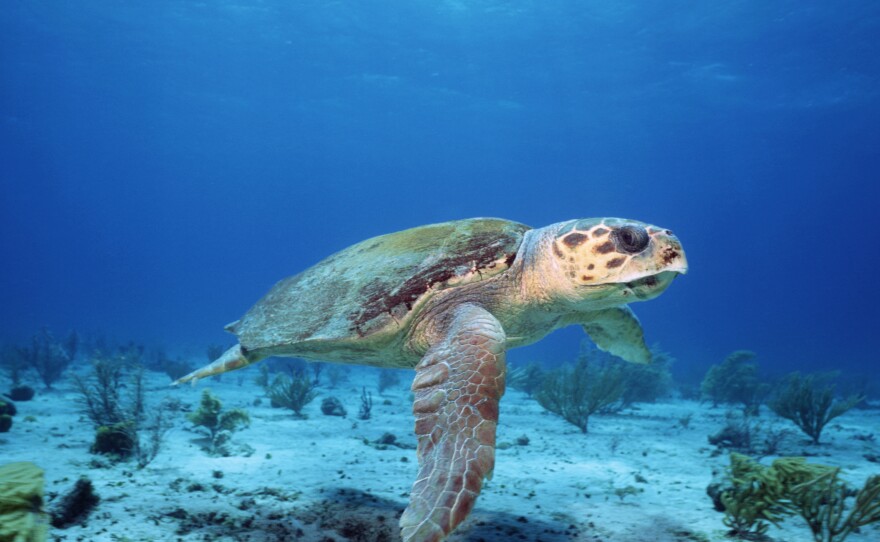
{"points": [[617, 330], [457, 387], [232, 359]]}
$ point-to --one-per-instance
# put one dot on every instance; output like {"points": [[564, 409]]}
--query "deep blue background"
{"points": [[163, 165]]}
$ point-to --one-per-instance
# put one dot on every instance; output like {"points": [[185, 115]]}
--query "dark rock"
{"points": [[719, 484], [331, 406], [387, 438], [5, 423], [21, 393]]}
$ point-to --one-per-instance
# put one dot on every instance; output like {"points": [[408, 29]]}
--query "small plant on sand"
{"points": [[366, 404], [735, 381], [528, 379], [113, 401], [293, 392], [48, 356], [12, 363], [579, 392], [809, 404], [112, 397], [220, 425]]}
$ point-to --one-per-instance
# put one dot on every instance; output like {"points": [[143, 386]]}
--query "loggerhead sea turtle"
{"points": [[448, 300]]}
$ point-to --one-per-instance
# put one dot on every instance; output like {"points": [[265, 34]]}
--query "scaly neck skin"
{"points": [[541, 283], [526, 298]]}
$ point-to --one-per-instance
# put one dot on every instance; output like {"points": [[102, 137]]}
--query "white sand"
{"points": [[307, 474]]}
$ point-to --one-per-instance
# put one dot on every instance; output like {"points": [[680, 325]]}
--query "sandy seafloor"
{"points": [[316, 479]]}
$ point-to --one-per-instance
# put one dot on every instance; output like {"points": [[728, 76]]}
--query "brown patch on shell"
{"points": [[480, 251], [599, 232]]}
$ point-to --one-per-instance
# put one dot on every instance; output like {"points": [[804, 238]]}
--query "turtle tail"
{"points": [[232, 359]]}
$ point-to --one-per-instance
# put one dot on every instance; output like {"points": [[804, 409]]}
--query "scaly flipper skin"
{"points": [[617, 330], [230, 360], [457, 387]]}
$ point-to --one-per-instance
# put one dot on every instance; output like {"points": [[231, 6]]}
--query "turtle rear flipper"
{"points": [[457, 387], [232, 359]]}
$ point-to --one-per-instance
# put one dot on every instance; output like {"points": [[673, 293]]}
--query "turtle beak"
{"points": [[680, 265], [671, 256]]}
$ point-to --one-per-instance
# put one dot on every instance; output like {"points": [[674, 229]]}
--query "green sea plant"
{"points": [[579, 392], [760, 495], [753, 501], [366, 404], [13, 363], [220, 424], [735, 381], [22, 518], [293, 392], [809, 404], [822, 507], [48, 356], [113, 400], [528, 379]]}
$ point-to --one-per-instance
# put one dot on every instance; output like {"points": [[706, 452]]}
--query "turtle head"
{"points": [[612, 261]]}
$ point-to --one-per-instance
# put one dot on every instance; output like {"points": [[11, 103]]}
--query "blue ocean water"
{"points": [[164, 163]]}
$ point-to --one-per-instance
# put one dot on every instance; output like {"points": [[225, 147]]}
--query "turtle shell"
{"points": [[375, 284]]}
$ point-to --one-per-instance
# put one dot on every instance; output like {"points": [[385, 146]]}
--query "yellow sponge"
{"points": [[22, 518]]}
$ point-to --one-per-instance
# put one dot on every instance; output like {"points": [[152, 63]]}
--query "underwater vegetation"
{"points": [[579, 392], [761, 495], [22, 518], [810, 404], [598, 383], [129, 428], [219, 423], [735, 381], [292, 391], [112, 396], [46, 355]]}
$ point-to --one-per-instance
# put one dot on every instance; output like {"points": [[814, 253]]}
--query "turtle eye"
{"points": [[630, 239]]}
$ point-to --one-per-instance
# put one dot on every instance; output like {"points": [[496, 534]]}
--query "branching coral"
{"points": [[48, 356], [577, 393], [760, 495], [292, 392], [527, 379], [808, 406], [735, 381]]}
